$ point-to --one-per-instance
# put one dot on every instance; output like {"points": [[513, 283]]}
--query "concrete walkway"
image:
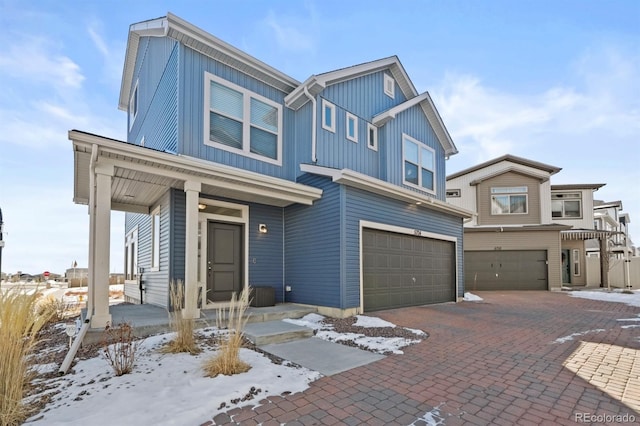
{"points": [[525, 358]]}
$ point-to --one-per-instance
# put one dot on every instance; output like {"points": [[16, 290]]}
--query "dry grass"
{"points": [[227, 361], [56, 309], [120, 348], [183, 327], [20, 323]]}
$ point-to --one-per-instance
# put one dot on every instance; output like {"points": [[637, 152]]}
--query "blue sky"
{"points": [[555, 82]]}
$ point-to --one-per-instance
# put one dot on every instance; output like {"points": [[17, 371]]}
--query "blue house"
{"points": [[331, 190]]}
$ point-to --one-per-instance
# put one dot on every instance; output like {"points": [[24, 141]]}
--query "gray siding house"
{"points": [[331, 190]]}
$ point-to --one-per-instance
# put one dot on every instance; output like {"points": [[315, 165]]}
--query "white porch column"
{"points": [[192, 190], [101, 229]]}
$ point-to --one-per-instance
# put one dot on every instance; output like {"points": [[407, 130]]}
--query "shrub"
{"points": [[55, 309], [20, 323], [227, 361], [183, 327], [120, 348]]}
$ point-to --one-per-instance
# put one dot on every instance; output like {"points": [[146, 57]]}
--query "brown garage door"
{"points": [[505, 270], [403, 270]]}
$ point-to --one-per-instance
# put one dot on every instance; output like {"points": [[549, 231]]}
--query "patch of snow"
{"points": [[610, 296], [431, 418], [371, 322], [159, 381], [313, 321], [571, 336], [45, 368], [631, 326], [470, 297], [628, 319]]}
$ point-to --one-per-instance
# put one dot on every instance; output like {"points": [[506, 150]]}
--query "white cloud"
{"points": [[113, 55], [292, 34]]}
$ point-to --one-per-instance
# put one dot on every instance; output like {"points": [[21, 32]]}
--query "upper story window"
{"points": [[566, 205], [419, 164], [372, 137], [453, 193], [389, 86], [240, 121], [133, 106], [352, 127], [509, 200], [328, 116]]}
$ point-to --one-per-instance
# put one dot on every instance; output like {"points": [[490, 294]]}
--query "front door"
{"points": [[566, 267], [224, 261]]}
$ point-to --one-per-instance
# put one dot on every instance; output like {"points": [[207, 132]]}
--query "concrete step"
{"points": [[271, 332]]}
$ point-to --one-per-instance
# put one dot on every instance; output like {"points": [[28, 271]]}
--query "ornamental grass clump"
{"points": [[227, 360], [183, 327], [20, 323]]}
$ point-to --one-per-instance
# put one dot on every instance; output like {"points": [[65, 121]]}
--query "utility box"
{"points": [[262, 296]]}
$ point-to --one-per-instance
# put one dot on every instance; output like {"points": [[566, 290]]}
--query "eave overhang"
{"points": [[577, 186], [551, 170], [376, 186], [518, 228], [142, 175], [540, 177], [203, 42]]}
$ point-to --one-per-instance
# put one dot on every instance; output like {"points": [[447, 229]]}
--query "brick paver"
{"points": [[516, 358]]}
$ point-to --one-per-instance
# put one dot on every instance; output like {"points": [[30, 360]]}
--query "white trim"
{"points": [[419, 165], [376, 186], [131, 237], [349, 117], [247, 95], [389, 86], [142, 141], [328, 105], [406, 231], [203, 219], [134, 106], [374, 146], [575, 260], [154, 266]]}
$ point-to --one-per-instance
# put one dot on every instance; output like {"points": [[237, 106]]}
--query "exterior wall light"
{"points": [[262, 228]]}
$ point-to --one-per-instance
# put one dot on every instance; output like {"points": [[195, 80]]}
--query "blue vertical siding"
{"points": [[362, 205], [266, 257], [178, 234], [191, 115], [156, 74], [313, 247], [414, 123]]}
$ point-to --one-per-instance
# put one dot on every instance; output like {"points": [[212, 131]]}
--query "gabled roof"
{"points": [[540, 176], [317, 83], [511, 158], [203, 42], [576, 186], [599, 204]]}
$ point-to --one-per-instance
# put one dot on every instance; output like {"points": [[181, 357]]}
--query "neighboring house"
{"points": [[512, 242], [331, 191], [573, 205], [608, 216]]}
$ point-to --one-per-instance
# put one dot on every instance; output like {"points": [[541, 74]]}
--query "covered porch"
{"points": [[112, 175], [583, 235]]}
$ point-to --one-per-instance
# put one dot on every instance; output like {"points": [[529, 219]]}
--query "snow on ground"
{"points": [[571, 336], [375, 344], [470, 297], [632, 299], [163, 388]]}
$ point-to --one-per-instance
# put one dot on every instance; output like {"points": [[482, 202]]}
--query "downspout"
{"points": [[314, 157], [64, 367]]}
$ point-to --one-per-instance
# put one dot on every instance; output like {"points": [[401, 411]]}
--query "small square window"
{"points": [[352, 127], [389, 86], [453, 193], [328, 116], [372, 137]]}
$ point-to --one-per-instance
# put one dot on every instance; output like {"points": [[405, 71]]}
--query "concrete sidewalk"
{"points": [[525, 358]]}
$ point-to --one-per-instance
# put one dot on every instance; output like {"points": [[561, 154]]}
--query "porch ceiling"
{"points": [[142, 175]]}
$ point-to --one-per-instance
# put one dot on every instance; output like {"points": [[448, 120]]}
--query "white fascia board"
{"points": [[391, 113], [358, 180], [192, 167]]}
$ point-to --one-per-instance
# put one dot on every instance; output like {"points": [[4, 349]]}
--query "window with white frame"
{"points": [[389, 86], [372, 137], [240, 121], [133, 106], [155, 238], [576, 262], [328, 116], [419, 163], [568, 205], [509, 200], [453, 193], [131, 255], [352, 127]]}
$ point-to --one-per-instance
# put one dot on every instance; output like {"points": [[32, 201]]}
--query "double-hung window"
{"points": [[241, 121], [509, 200], [155, 239], [131, 255], [566, 205], [419, 164]]}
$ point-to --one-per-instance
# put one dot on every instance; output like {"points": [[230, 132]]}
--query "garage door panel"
{"points": [[425, 273], [506, 270]]}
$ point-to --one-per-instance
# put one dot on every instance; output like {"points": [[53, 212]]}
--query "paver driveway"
{"points": [[515, 358]]}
